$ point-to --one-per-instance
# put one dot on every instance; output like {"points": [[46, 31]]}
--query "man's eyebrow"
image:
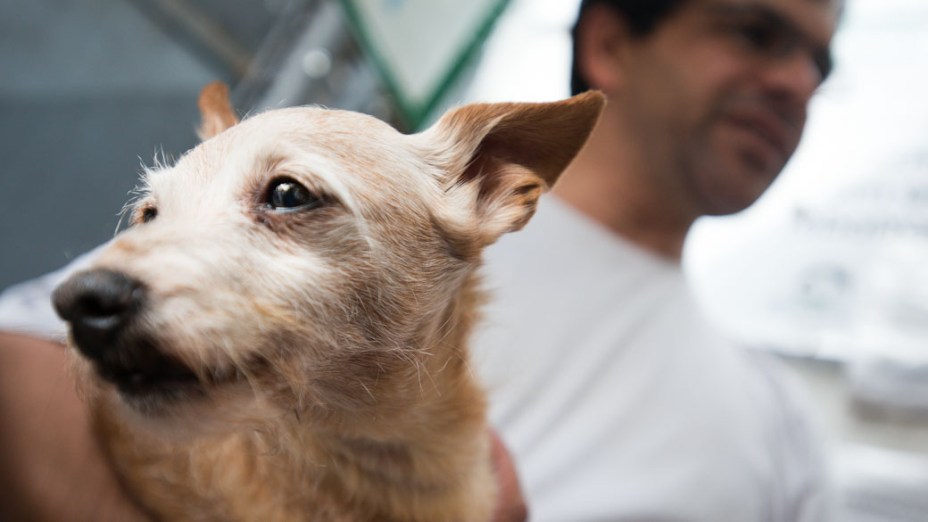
{"points": [[769, 14], [821, 54]]}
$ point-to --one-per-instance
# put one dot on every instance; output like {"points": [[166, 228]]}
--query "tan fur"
{"points": [[216, 112], [330, 344]]}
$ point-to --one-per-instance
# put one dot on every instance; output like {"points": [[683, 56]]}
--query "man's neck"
{"points": [[607, 183]]}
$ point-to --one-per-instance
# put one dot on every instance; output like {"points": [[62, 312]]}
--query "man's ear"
{"points": [[497, 160], [602, 36], [216, 112]]}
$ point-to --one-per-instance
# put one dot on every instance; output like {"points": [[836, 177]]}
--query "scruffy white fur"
{"points": [[328, 343]]}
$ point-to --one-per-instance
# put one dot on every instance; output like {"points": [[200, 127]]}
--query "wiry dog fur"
{"points": [[316, 356]]}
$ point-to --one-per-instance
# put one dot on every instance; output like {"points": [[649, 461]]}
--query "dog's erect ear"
{"points": [[499, 158], [216, 112]]}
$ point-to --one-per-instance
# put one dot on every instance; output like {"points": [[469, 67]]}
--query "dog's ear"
{"points": [[499, 159], [216, 112]]}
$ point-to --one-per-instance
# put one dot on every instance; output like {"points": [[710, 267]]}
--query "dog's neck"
{"points": [[441, 431]]}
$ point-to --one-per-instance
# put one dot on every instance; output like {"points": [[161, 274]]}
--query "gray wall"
{"points": [[86, 90]]}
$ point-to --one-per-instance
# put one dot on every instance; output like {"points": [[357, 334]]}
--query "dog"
{"points": [[281, 334]]}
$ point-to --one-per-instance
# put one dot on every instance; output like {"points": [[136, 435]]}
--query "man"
{"points": [[617, 400]]}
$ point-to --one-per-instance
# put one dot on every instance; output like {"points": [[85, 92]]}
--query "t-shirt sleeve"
{"points": [[27, 307]]}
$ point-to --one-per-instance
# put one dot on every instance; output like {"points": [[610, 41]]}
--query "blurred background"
{"points": [[829, 270]]}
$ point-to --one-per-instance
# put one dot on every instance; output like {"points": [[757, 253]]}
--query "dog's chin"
{"points": [[162, 400], [185, 412], [175, 402]]}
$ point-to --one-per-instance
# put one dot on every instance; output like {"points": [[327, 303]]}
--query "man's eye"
{"points": [[760, 36], [773, 39], [287, 194]]}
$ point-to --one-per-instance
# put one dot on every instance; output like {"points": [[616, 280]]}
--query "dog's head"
{"points": [[308, 259]]}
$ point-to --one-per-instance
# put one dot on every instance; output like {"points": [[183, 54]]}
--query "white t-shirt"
{"points": [[617, 400]]}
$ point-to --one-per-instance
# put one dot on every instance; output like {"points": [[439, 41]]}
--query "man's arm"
{"points": [[51, 468]]}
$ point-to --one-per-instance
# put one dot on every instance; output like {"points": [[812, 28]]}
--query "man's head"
{"points": [[642, 16], [711, 94]]}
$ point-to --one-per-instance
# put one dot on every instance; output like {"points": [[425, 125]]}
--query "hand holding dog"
{"points": [[51, 468]]}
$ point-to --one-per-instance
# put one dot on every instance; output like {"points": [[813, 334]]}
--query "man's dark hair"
{"points": [[642, 16]]}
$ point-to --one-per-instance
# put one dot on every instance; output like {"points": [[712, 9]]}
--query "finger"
{"points": [[511, 506]]}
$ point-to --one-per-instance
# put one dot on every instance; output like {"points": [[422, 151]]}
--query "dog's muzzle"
{"points": [[103, 308], [98, 304]]}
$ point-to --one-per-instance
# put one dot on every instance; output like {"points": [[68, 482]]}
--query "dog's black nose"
{"points": [[98, 304]]}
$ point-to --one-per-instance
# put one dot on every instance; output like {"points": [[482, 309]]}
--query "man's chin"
{"points": [[728, 200]]}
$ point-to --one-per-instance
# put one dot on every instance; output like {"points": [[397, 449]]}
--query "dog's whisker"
{"points": [[418, 366], [431, 379], [368, 390], [161, 159], [444, 366], [253, 385]]}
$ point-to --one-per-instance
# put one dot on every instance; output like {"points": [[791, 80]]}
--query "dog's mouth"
{"points": [[146, 371], [157, 375]]}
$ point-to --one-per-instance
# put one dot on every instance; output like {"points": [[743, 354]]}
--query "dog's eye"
{"points": [[148, 214], [144, 214], [287, 194]]}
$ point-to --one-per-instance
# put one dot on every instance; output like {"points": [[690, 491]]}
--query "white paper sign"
{"points": [[420, 45]]}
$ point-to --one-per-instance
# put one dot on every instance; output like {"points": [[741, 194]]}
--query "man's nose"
{"points": [[794, 77]]}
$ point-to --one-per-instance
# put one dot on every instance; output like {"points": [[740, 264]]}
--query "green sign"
{"points": [[421, 46]]}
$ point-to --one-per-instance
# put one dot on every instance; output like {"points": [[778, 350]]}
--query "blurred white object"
{"points": [[889, 364], [880, 485], [527, 58]]}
